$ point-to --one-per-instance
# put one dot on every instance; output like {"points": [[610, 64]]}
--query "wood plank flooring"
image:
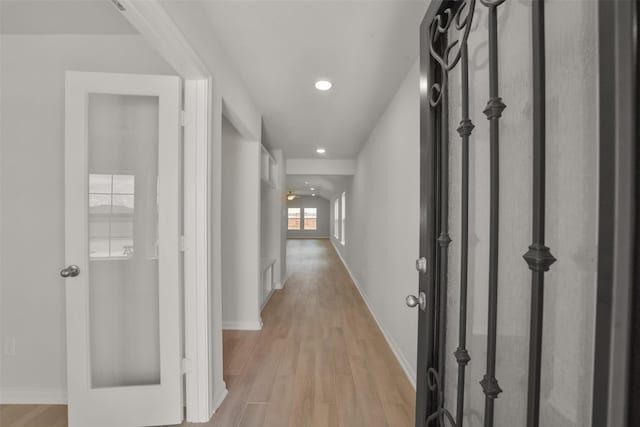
{"points": [[320, 359]]}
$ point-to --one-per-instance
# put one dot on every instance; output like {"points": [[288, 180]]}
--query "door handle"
{"points": [[70, 271], [420, 300]]}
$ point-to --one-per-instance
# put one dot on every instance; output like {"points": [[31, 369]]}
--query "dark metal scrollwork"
{"points": [[442, 414], [462, 18], [447, 55]]}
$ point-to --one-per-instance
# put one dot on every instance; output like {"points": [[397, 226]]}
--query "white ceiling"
{"points": [[62, 17], [326, 186], [365, 47]]}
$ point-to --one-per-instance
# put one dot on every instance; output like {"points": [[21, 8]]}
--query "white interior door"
{"points": [[122, 224]]}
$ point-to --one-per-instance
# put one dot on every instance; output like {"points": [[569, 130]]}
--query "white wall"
{"points": [[241, 216], [32, 196], [239, 108], [383, 220], [322, 220]]}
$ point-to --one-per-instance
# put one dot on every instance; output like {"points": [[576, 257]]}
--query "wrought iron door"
{"points": [[444, 35]]}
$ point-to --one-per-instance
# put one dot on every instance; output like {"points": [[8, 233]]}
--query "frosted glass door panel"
{"points": [[123, 240]]}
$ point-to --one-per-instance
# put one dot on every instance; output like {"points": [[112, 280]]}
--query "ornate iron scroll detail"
{"points": [[447, 55], [538, 257], [493, 111]]}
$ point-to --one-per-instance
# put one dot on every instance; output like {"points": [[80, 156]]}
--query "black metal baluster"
{"points": [[493, 111], [465, 129], [444, 239], [538, 257]]}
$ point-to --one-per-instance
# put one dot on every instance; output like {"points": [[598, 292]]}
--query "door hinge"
{"points": [[118, 5], [182, 117], [186, 365], [182, 244]]}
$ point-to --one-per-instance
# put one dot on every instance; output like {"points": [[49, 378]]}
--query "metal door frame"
{"points": [[616, 372]]}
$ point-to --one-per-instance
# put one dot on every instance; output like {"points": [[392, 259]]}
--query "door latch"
{"points": [[421, 265]]}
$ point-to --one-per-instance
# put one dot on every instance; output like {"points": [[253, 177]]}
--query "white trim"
{"points": [[216, 377], [32, 396], [203, 343], [402, 360], [220, 398], [196, 260], [266, 300], [321, 166], [241, 325], [241, 125], [152, 21], [278, 286]]}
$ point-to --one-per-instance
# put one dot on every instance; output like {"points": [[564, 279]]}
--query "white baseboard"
{"points": [[402, 360], [278, 286], [242, 326], [32, 396], [266, 300], [219, 398]]}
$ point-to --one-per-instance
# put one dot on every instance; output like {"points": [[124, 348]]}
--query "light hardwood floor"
{"points": [[320, 359]]}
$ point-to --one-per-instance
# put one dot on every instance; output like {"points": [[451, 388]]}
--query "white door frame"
{"points": [[204, 386]]}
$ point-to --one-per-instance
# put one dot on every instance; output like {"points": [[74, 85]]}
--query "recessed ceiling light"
{"points": [[323, 85], [313, 195], [306, 182], [312, 189], [320, 150]]}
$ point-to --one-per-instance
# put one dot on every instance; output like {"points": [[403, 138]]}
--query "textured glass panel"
{"points": [[567, 356], [100, 183], [124, 184], [99, 224], [123, 212]]}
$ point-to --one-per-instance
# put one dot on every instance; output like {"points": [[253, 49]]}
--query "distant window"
{"points": [[310, 218], [336, 218], [343, 201], [293, 219], [111, 213]]}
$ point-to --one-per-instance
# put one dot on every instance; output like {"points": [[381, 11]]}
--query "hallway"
{"points": [[320, 359]]}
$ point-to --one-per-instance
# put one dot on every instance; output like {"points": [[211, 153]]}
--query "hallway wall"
{"points": [[382, 223], [32, 294], [322, 226], [241, 217]]}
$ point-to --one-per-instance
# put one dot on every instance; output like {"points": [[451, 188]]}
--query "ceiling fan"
{"points": [[291, 195]]}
